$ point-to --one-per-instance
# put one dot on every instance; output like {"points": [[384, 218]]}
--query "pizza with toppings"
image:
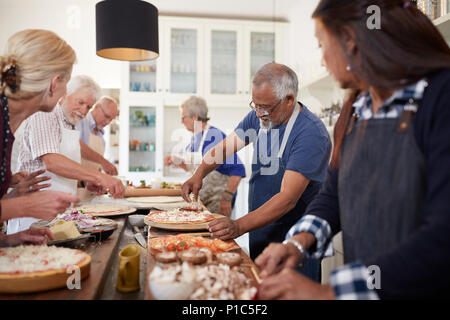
{"points": [[39, 268], [183, 242], [178, 216]]}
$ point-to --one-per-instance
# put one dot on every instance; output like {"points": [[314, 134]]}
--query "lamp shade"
{"points": [[126, 30]]}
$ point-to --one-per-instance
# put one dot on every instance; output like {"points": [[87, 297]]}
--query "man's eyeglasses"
{"points": [[264, 110], [108, 117]]}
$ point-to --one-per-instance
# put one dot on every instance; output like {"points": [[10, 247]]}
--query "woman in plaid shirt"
{"points": [[388, 185]]}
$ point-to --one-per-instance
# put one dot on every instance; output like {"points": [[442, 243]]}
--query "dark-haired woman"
{"points": [[388, 186]]}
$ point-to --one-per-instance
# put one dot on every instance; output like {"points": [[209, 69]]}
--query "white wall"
{"points": [[74, 21]]}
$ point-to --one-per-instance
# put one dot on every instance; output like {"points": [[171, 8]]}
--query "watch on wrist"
{"points": [[298, 245]]}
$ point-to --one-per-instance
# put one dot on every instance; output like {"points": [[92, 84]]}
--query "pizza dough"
{"points": [[155, 199], [103, 209]]}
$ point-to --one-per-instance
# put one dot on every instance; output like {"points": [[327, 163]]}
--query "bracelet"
{"points": [[229, 192], [298, 245], [226, 198]]}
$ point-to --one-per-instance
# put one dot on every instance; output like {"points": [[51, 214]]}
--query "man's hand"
{"points": [[24, 183], [224, 228], [277, 256], [108, 167], [194, 184], [95, 188], [225, 207], [112, 185], [35, 236], [291, 285]]}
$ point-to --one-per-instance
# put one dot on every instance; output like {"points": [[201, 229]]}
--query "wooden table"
{"points": [[100, 277], [101, 283]]}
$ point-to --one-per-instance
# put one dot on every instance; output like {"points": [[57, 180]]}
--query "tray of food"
{"points": [[74, 228], [198, 273], [182, 242]]}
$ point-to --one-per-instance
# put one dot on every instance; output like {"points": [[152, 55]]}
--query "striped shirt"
{"points": [[41, 135]]}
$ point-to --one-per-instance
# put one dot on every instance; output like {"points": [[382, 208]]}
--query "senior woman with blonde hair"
{"points": [[219, 187], [34, 74]]}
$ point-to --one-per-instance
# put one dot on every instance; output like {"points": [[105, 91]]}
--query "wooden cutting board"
{"points": [[148, 192]]}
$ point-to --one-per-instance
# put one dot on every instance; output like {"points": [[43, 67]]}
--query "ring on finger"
{"points": [[30, 188]]}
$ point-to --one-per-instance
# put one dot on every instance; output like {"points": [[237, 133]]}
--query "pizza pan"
{"points": [[75, 243]]}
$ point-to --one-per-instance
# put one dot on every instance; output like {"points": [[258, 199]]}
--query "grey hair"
{"points": [[196, 106], [107, 99], [83, 81], [282, 79]]}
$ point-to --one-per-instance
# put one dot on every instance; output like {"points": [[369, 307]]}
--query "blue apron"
{"points": [[266, 182]]}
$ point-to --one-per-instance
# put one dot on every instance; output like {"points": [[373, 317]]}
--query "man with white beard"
{"points": [[51, 142], [291, 152]]}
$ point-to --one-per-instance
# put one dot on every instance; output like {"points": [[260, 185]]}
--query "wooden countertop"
{"points": [[101, 283]]}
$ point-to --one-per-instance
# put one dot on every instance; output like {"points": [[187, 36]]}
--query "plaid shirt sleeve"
{"points": [[350, 283], [44, 134], [321, 231]]}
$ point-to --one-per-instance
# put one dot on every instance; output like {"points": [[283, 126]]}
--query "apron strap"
{"points": [[289, 127]]}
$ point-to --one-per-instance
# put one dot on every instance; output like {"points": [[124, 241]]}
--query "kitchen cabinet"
{"points": [[141, 139], [211, 58]]}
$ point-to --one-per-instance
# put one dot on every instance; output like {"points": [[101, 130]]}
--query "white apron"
{"points": [[96, 144], [194, 159], [214, 184], [70, 148]]}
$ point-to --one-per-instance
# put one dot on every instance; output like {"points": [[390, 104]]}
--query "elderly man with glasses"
{"points": [[91, 134], [291, 153]]}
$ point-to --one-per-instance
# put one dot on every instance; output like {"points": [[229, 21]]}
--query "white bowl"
{"points": [[136, 220], [171, 290]]}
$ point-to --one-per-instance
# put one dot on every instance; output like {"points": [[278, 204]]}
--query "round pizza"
{"points": [[38, 268], [179, 216], [102, 209]]}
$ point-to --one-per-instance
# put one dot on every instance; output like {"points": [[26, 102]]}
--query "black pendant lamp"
{"points": [[127, 30]]}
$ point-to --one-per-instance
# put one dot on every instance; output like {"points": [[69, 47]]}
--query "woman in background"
{"points": [[219, 187]]}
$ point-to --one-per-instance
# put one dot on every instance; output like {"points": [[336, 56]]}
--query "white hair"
{"points": [[281, 79], [82, 81], [196, 106]]}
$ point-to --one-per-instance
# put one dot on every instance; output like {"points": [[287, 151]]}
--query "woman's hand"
{"points": [[24, 183], [36, 236], [291, 285]]}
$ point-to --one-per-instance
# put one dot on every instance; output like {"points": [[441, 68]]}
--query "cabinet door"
{"points": [[263, 44], [224, 51], [140, 138], [183, 66]]}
